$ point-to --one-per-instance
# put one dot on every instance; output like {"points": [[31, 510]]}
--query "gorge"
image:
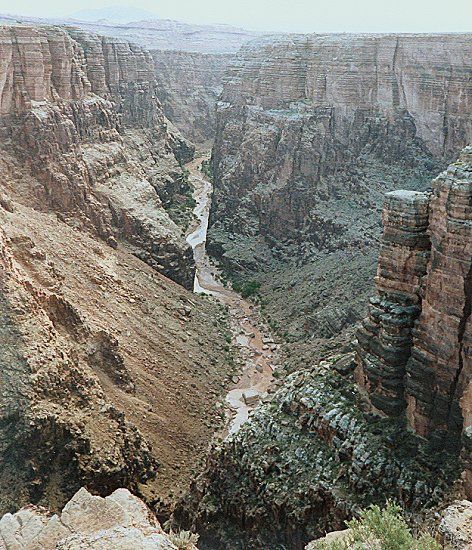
{"points": [[260, 340]]}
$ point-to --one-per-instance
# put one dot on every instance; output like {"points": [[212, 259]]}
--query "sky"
{"points": [[284, 15]]}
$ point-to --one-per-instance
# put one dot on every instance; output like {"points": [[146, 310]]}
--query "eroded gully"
{"points": [[252, 339]]}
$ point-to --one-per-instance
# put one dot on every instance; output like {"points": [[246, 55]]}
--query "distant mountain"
{"points": [[145, 29], [113, 14]]}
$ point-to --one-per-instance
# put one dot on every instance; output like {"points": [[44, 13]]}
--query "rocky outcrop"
{"points": [[118, 521], [81, 113], [189, 86], [311, 133], [308, 461], [456, 526], [385, 337], [438, 387], [415, 347]]}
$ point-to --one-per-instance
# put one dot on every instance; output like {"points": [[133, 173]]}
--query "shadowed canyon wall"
{"points": [[387, 421], [189, 86], [311, 132]]}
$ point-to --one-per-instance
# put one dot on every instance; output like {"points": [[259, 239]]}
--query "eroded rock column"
{"points": [[385, 335], [439, 372]]}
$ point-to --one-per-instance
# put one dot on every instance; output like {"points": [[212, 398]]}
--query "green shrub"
{"points": [[380, 529], [249, 289]]}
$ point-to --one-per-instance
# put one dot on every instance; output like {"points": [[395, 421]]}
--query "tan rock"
{"points": [[118, 522]]}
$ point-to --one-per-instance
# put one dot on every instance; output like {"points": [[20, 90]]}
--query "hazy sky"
{"points": [[285, 15]]}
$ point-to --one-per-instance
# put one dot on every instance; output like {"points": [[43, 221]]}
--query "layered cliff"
{"points": [[414, 348], [154, 33], [80, 112], [391, 420], [110, 370], [189, 86], [311, 132]]}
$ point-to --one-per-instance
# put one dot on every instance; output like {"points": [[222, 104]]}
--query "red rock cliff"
{"points": [[415, 347]]}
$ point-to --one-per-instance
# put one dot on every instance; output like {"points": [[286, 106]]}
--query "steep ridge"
{"points": [[335, 437], [189, 86], [111, 372], [311, 132]]}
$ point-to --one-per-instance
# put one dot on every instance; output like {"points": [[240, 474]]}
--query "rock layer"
{"points": [[415, 346], [385, 337], [109, 368], [189, 86], [319, 450], [311, 132], [81, 112]]}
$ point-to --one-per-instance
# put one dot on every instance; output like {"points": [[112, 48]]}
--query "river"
{"points": [[250, 335]]}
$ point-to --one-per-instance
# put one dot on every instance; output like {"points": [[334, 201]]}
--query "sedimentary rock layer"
{"points": [[311, 133], [188, 87], [439, 379], [415, 347], [385, 336], [81, 112]]}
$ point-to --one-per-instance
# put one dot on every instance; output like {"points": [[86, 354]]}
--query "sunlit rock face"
{"points": [[82, 112], [92, 343]]}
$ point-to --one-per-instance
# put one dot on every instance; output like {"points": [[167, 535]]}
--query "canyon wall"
{"points": [[110, 370], [311, 132], [415, 346], [389, 420], [189, 85], [155, 34], [82, 113]]}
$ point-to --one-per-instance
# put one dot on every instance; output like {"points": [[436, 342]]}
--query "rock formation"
{"points": [[189, 85], [110, 371], [335, 437], [118, 522], [311, 132], [81, 113], [415, 346], [156, 34]]}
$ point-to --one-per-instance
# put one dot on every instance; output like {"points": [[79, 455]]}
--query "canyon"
{"points": [[257, 341], [311, 132]]}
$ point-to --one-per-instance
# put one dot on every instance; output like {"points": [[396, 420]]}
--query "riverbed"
{"points": [[250, 336]]}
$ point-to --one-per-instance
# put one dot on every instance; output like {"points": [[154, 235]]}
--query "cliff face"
{"points": [[81, 113], [311, 132], [336, 437], [189, 86], [92, 342], [414, 354]]}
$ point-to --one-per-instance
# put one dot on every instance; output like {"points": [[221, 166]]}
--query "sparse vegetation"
{"points": [[247, 289], [380, 529], [183, 539]]}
